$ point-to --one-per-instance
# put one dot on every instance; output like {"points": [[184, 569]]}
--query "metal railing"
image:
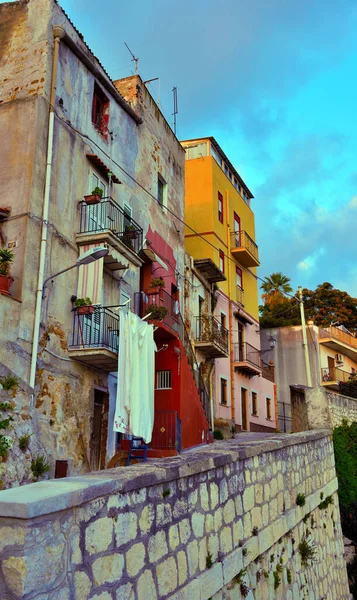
{"points": [[284, 417], [334, 374], [209, 329], [240, 295], [247, 353], [268, 371], [167, 431], [108, 215], [338, 334], [162, 306], [240, 239], [95, 327]]}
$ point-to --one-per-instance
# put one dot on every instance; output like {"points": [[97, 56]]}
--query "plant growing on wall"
{"points": [[6, 258], [10, 382], [307, 551], [157, 282], [39, 466]]}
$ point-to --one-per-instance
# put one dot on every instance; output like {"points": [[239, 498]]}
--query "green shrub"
{"points": [[218, 435], [39, 466], [24, 441], [300, 499], [209, 561], [289, 576], [345, 447], [307, 551], [9, 382]]}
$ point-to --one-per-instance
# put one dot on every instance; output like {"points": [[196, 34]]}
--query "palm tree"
{"points": [[276, 285]]}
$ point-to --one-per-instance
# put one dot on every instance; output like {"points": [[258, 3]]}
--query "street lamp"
{"points": [[86, 258]]}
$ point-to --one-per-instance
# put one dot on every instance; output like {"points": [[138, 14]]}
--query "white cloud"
{"points": [[309, 263]]}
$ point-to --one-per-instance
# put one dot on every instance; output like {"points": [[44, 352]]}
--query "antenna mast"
{"points": [[135, 59], [174, 91]]}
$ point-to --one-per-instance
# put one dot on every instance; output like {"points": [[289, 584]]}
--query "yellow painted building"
{"points": [[217, 206], [220, 228]]}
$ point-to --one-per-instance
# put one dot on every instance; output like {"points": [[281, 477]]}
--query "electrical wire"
{"points": [[87, 137]]}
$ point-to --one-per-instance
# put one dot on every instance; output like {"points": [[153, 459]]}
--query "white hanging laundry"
{"points": [[136, 377]]}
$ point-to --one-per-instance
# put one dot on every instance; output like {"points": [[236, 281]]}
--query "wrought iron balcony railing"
{"points": [[268, 371], [241, 240], [95, 327], [160, 305], [209, 329], [245, 353], [108, 215]]}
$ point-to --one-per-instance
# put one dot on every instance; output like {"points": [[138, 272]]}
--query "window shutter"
{"points": [[90, 278]]}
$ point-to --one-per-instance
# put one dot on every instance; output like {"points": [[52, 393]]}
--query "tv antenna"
{"points": [[135, 59], [174, 91]]}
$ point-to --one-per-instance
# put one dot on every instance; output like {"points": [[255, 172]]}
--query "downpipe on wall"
{"points": [[58, 33]]}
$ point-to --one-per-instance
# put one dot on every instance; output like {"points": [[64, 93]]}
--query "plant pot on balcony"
{"points": [[85, 310], [5, 284], [92, 199]]}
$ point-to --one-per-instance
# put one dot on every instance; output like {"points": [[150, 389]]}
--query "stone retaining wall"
{"points": [[312, 408], [181, 528]]}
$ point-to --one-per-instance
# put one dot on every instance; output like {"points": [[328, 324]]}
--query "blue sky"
{"points": [[275, 82]]}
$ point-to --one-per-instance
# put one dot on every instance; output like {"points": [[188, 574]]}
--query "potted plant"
{"points": [[131, 232], [95, 196], [157, 313], [6, 258], [84, 306]]}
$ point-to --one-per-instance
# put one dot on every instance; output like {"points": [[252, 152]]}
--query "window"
{"points": [[254, 404], [127, 215], [239, 278], [220, 207], [221, 261], [161, 190], [125, 301], [100, 110], [223, 320], [224, 398], [226, 170], [268, 408], [163, 380], [96, 214]]}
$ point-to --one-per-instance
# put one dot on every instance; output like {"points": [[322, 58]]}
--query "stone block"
{"points": [[185, 531], [218, 516], [147, 518], [214, 493], [174, 539], [166, 574], [232, 564], [163, 514], [213, 546], [202, 554], [82, 584], [209, 523], [191, 591], [238, 532], [225, 540], [12, 536], [204, 497], [180, 508], [99, 535], [181, 567], [157, 546], [211, 581], [146, 589], [198, 520], [107, 569], [135, 559], [126, 528], [192, 557], [223, 491], [229, 512], [192, 500], [248, 499]]}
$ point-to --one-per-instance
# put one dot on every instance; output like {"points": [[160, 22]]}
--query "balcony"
{"points": [[244, 249], [246, 359], [268, 372], [240, 295], [331, 376], [211, 338], [163, 308], [338, 340], [94, 339], [106, 222]]}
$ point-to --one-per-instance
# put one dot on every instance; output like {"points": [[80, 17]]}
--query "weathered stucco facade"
{"points": [[124, 154], [320, 408], [198, 526]]}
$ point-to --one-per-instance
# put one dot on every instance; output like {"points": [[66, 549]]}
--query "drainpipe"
{"points": [[230, 315], [58, 33], [211, 395]]}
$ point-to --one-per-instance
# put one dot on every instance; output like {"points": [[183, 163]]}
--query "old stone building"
{"points": [[70, 129]]}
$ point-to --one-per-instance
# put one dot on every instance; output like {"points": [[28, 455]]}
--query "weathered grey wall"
{"points": [[320, 408], [182, 528]]}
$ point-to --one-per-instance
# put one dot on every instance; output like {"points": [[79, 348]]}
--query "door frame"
{"points": [[244, 408]]}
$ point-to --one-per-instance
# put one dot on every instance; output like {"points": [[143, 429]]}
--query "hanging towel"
{"points": [[136, 377]]}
